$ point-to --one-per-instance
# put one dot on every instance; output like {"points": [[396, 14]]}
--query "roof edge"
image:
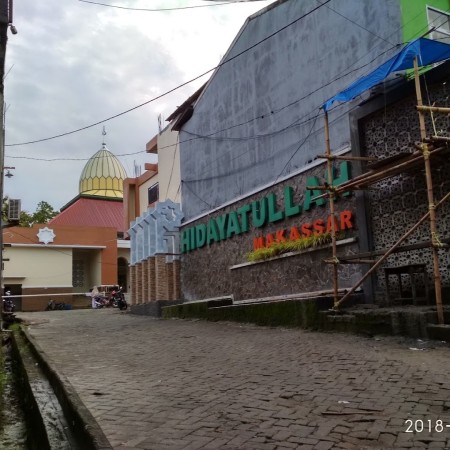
{"points": [[94, 197]]}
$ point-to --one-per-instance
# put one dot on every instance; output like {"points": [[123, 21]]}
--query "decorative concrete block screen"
{"points": [[154, 254], [156, 232], [396, 204]]}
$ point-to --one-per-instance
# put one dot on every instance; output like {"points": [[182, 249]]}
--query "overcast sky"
{"points": [[73, 64]]}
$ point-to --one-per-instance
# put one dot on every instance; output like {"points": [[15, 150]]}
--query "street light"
{"points": [[8, 172]]}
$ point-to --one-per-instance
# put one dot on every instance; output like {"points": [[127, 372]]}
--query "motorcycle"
{"points": [[52, 306], [118, 299], [8, 304]]}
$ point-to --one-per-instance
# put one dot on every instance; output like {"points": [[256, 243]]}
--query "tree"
{"points": [[43, 214], [26, 219]]}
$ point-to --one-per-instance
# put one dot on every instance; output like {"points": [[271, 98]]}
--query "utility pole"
{"points": [[6, 7]]}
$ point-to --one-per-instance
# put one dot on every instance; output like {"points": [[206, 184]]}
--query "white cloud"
{"points": [[73, 64]]}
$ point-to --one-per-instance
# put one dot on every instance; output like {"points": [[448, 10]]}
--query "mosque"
{"points": [[81, 247]]}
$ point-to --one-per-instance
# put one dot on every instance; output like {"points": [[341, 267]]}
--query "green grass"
{"points": [[298, 245]]}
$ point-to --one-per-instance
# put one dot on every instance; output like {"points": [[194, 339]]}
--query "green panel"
{"points": [[414, 16]]}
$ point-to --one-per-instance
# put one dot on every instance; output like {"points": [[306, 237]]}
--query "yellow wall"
{"points": [[168, 176], [96, 268], [143, 192], [39, 266], [169, 165]]}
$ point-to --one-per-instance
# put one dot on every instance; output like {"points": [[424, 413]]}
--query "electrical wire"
{"points": [[311, 133], [157, 9], [292, 156], [201, 199], [177, 87], [358, 25], [198, 136], [299, 147], [247, 151], [341, 75]]}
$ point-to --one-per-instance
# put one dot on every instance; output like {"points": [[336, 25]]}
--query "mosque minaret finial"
{"points": [[104, 134]]}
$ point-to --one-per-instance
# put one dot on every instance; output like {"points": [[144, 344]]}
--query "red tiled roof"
{"points": [[92, 212]]}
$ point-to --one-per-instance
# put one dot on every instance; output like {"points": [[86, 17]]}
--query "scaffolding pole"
{"points": [[430, 195], [331, 200], [389, 252]]}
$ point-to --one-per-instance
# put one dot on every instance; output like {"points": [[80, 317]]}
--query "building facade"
{"points": [[259, 138], [153, 215], [59, 263], [83, 246]]}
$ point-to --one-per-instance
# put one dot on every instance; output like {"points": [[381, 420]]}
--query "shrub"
{"points": [[297, 245]]}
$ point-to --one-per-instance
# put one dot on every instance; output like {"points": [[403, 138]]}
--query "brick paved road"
{"points": [[154, 384]]}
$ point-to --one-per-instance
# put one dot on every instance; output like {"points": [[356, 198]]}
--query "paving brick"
{"points": [[323, 445], [198, 385]]}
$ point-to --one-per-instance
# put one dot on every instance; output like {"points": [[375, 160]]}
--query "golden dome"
{"points": [[103, 175]]}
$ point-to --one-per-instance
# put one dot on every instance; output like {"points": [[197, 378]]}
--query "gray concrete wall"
{"points": [[275, 91]]}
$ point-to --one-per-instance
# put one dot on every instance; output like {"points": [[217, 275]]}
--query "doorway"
{"points": [[15, 289], [122, 273]]}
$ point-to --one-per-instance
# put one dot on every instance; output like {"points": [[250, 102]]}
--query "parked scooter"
{"points": [[100, 302], [8, 304]]}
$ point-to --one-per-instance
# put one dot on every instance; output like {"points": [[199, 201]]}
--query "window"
{"points": [[153, 194], [440, 20], [78, 273]]}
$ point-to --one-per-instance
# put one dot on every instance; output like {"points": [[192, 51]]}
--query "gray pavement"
{"points": [[155, 384]]}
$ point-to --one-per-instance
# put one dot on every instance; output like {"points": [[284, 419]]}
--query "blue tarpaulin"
{"points": [[427, 52]]}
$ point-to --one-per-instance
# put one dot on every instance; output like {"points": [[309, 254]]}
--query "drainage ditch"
{"points": [[13, 429], [36, 411]]}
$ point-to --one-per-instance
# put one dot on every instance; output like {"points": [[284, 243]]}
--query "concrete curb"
{"points": [[36, 436], [85, 427]]}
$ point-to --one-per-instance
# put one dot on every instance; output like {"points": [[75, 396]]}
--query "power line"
{"points": [[311, 133], [303, 142], [170, 91], [209, 136], [72, 159], [298, 148], [358, 25], [295, 123], [175, 88], [158, 9]]}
